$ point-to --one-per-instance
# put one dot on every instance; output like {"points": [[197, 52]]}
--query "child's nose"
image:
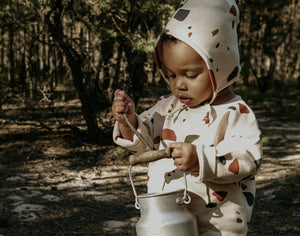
{"points": [[180, 83]]}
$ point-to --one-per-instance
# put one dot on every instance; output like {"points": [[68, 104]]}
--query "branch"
{"points": [[119, 29]]}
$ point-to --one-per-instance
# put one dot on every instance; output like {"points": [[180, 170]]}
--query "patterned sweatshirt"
{"points": [[229, 151], [226, 136]]}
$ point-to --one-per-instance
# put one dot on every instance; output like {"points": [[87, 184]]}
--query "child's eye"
{"points": [[170, 76], [191, 76]]}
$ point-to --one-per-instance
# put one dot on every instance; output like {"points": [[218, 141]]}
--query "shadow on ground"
{"points": [[55, 183]]}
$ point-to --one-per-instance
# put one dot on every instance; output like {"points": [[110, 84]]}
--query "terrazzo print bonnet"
{"points": [[210, 28]]}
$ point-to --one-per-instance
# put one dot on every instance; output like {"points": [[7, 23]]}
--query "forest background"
{"points": [[56, 50], [60, 62]]}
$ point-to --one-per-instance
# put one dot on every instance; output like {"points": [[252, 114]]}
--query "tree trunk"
{"points": [[11, 57], [53, 21]]}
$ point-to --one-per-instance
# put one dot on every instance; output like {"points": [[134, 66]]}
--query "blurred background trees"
{"points": [[63, 49], [269, 43]]}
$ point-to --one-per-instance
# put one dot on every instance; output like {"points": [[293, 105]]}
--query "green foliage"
{"points": [[143, 44], [121, 153], [265, 141]]}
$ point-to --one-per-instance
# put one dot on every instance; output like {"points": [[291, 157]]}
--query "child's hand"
{"points": [[124, 104], [185, 156]]}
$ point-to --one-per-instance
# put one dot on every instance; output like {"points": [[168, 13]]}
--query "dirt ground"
{"points": [[54, 182]]}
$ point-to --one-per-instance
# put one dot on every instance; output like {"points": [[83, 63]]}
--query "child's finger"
{"points": [[120, 109], [121, 94], [130, 101], [174, 150], [120, 98], [176, 153], [175, 145], [118, 92]]}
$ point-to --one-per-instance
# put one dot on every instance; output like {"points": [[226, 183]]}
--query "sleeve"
{"points": [[238, 155], [136, 145]]}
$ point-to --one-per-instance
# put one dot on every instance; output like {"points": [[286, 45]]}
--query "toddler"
{"points": [[213, 133]]}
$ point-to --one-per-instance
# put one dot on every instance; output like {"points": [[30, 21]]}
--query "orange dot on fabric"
{"points": [[190, 34], [220, 195], [233, 10], [168, 134], [243, 108], [206, 118], [234, 167], [214, 32]]}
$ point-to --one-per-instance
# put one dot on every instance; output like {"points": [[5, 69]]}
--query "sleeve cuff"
{"points": [[136, 145]]}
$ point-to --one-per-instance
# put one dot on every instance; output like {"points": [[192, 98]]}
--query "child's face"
{"points": [[187, 73]]}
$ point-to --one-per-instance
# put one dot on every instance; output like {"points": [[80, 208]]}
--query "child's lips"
{"points": [[185, 100]]}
